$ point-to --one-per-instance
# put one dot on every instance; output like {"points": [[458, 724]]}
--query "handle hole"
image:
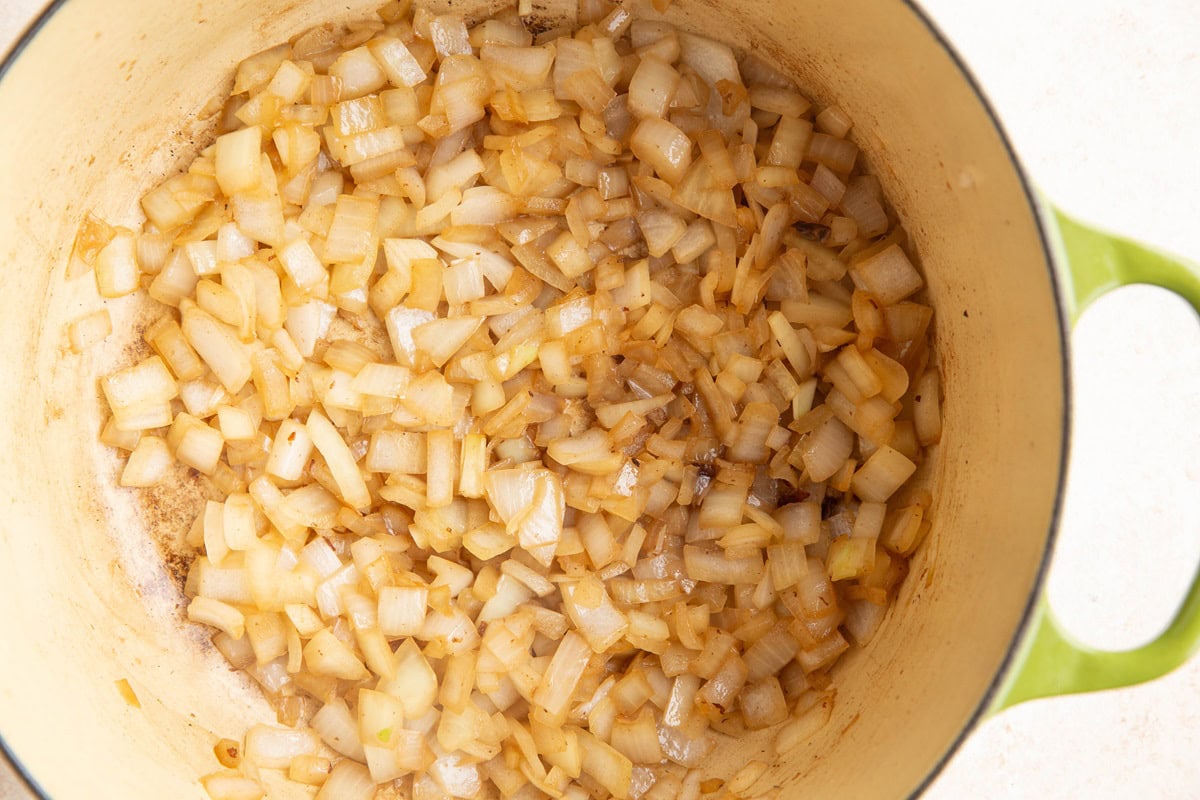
{"points": [[1130, 535]]}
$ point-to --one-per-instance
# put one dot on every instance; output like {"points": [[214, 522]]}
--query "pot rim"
{"points": [[10, 58], [1040, 221]]}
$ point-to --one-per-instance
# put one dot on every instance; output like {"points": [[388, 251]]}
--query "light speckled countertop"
{"points": [[1100, 98]]}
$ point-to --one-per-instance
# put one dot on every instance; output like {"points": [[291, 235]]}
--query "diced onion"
{"points": [[149, 463], [888, 275], [116, 266], [341, 461], [231, 786], [217, 614], [309, 770], [275, 748], [763, 704], [557, 404], [927, 415], [347, 781], [402, 610], [558, 683], [882, 474], [325, 654], [237, 158], [89, 330], [337, 728]]}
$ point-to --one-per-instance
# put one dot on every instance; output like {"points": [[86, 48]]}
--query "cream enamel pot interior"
{"points": [[108, 98]]}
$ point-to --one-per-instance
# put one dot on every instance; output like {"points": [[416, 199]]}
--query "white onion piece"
{"points": [[337, 728], [149, 463], [530, 503], [116, 266], [888, 275], [231, 786], [456, 778], [325, 654], [341, 461], [268, 746], [827, 449], [927, 414], [591, 609], [454, 631], [882, 474], [683, 748], [561, 677], [347, 781], [397, 61], [402, 610]]}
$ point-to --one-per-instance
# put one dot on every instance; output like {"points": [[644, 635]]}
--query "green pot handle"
{"points": [[1050, 662]]}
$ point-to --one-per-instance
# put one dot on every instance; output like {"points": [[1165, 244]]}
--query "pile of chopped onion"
{"points": [[561, 394]]}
